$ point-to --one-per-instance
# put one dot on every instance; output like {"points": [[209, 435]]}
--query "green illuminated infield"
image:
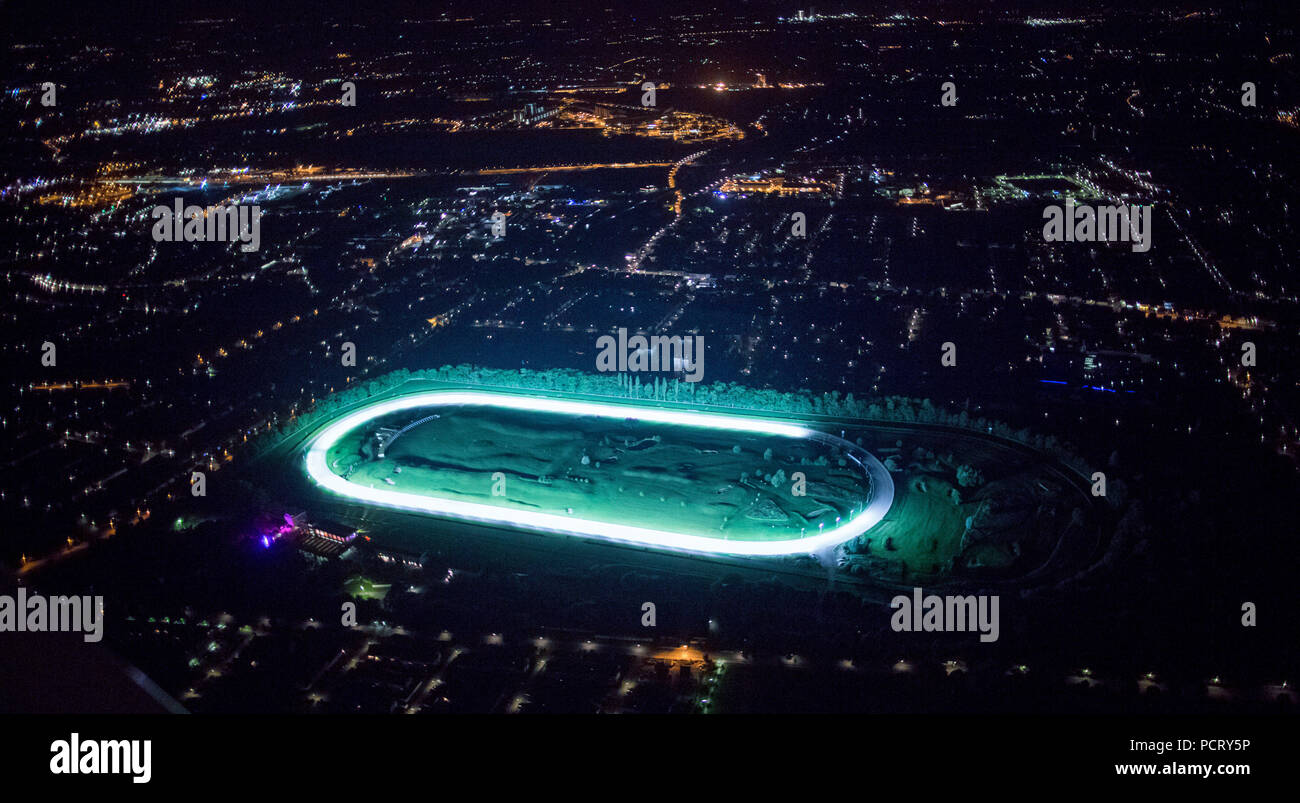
{"points": [[670, 478]]}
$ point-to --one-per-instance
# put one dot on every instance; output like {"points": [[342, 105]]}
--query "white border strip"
{"points": [[317, 468]]}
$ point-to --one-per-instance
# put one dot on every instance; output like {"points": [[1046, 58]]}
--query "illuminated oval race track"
{"points": [[882, 486]]}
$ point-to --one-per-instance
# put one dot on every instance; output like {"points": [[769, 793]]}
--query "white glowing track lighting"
{"points": [[318, 469]]}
